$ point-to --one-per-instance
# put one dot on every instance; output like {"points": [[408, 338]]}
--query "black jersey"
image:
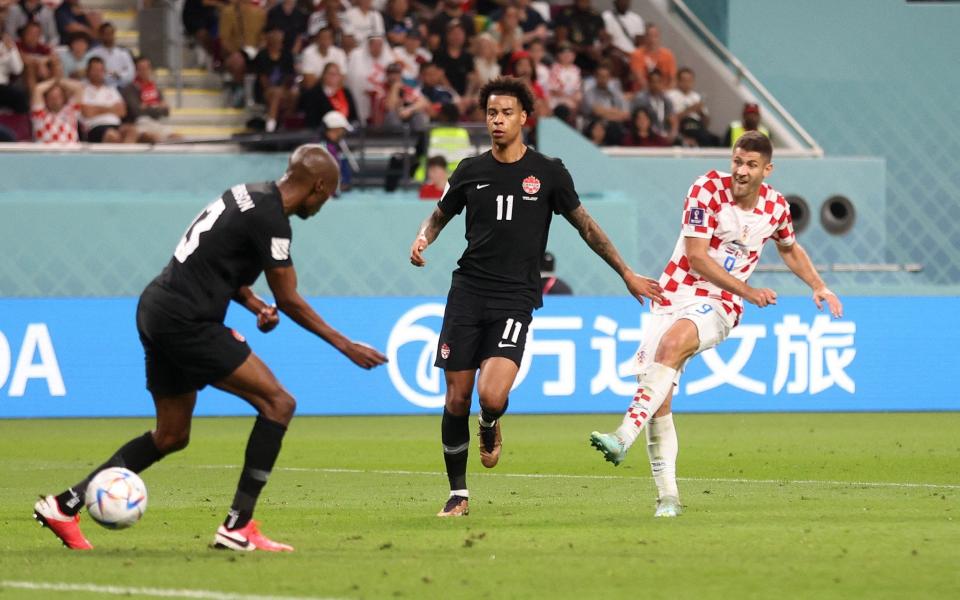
{"points": [[509, 208], [227, 246]]}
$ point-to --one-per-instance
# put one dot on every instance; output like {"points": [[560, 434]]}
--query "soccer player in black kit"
{"points": [[511, 194], [187, 347]]}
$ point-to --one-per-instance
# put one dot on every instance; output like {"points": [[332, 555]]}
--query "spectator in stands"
{"points": [[580, 26], [688, 105], [596, 131], [653, 56], [641, 132], [11, 65], [274, 69], [412, 56], [37, 56], [507, 32], [549, 282], [335, 127], [538, 54], [73, 56], [317, 55], [453, 58], [73, 18], [362, 21], [434, 87], [625, 27], [664, 122], [240, 29], [448, 139], [118, 61], [366, 72], [25, 11], [531, 22], [403, 104], [603, 98], [486, 62], [749, 122], [436, 183], [54, 111], [102, 108], [200, 22], [330, 94], [332, 14], [146, 107], [292, 21], [399, 22], [565, 84], [452, 11]]}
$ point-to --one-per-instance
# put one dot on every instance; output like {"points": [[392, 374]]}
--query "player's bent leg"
{"points": [[60, 513], [254, 382], [655, 383], [497, 375], [455, 438]]}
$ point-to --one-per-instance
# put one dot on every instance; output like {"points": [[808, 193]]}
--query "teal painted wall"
{"points": [[873, 78]]}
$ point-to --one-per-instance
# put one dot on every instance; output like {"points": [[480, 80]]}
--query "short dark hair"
{"points": [[105, 25], [754, 141], [94, 59], [508, 86], [684, 70], [437, 161]]}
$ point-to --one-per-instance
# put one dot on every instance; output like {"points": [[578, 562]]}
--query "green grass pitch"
{"points": [[777, 506]]}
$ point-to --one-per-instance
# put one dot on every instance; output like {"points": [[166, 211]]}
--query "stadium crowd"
{"points": [[380, 63]]}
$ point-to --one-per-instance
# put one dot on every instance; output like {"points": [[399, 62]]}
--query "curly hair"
{"points": [[508, 86]]}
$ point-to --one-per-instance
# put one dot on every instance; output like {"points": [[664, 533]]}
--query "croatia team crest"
{"points": [[531, 185], [445, 352]]}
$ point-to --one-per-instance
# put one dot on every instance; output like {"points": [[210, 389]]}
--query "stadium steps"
{"points": [[123, 20], [206, 132], [195, 97], [229, 117]]}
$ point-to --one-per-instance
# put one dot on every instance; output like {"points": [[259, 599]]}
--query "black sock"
{"points": [[136, 455], [263, 447], [455, 436], [489, 416]]}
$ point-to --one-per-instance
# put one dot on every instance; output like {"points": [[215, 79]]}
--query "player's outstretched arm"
{"points": [[640, 287], [426, 234], [283, 284], [798, 261], [696, 251], [267, 316]]}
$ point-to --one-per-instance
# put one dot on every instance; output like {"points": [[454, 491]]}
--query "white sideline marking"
{"points": [[826, 482], [140, 591]]}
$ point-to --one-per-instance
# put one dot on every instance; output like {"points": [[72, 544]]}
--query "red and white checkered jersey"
{"points": [[736, 239], [55, 128]]}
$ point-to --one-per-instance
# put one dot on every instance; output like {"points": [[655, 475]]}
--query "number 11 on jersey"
{"points": [[509, 202]]}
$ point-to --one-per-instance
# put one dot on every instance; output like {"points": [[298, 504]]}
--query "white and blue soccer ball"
{"points": [[116, 498]]}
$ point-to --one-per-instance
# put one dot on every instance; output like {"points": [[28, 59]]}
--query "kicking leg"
{"points": [[254, 382], [676, 346], [174, 413], [662, 449], [455, 437], [497, 375]]}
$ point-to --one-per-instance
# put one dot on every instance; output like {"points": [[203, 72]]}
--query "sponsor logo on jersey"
{"points": [[445, 352], [531, 198], [480, 186], [280, 248], [696, 216], [531, 185]]}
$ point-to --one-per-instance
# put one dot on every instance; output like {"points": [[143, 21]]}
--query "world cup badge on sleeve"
{"points": [[531, 185]]}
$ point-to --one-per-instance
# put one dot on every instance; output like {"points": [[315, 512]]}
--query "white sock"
{"points": [[461, 493], [662, 448], [655, 383], [271, 125]]}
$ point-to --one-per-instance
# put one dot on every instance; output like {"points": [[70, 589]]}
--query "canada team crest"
{"points": [[445, 351], [531, 185]]}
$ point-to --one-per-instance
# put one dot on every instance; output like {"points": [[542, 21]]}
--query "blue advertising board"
{"points": [[81, 357]]}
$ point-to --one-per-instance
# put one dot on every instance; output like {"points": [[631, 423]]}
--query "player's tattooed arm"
{"points": [[640, 287], [428, 232]]}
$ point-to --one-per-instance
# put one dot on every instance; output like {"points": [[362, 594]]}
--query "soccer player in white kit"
{"points": [[727, 217]]}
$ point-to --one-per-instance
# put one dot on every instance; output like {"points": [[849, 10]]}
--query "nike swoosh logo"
{"points": [[502, 345], [240, 542], [480, 186]]}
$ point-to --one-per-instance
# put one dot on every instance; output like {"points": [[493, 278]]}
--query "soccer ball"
{"points": [[116, 498]]}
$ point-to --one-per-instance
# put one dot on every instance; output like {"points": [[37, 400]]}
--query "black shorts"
{"points": [[184, 356], [95, 135], [476, 328]]}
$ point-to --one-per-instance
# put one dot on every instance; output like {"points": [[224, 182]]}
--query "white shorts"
{"points": [[712, 322]]}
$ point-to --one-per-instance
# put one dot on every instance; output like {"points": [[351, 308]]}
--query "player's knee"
{"points": [[494, 406], [672, 351], [458, 402], [171, 441], [280, 406]]}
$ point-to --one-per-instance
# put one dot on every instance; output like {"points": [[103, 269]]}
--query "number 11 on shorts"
{"points": [[511, 333]]}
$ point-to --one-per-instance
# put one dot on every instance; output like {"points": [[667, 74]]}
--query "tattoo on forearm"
{"points": [[433, 224]]}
